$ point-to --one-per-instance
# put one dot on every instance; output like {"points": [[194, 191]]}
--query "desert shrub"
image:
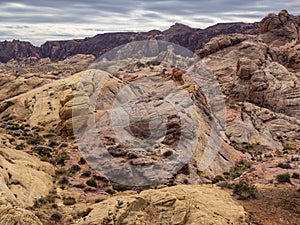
{"points": [[287, 147], [238, 169], [54, 206], [63, 180], [284, 165], [44, 200], [63, 145], [20, 146], [43, 151], [16, 126], [167, 153], [296, 175], [247, 145], [110, 191], [244, 191], [61, 158], [61, 171], [75, 168], [91, 183], [97, 200], [85, 212], [120, 187], [52, 143], [283, 178], [39, 202], [56, 216], [82, 161], [69, 201], [86, 173], [7, 118], [35, 140], [217, 179]]}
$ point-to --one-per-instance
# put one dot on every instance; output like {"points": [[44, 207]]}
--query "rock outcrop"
{"points": [[281, 28], [10, 215], [17, 49], [174, 205], [262, 70], [23, 178]]}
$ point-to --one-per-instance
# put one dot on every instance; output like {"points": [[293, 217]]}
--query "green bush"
{"points": [[91, 183], [35, 140], [284, 178], [69, 201], [43, 151], [82, 161], [61, 171], [120, 187], [16, 126], [56, 216], [167, 153], [287, 147], [244, 191], [110, 191], [61, 158], [296, 175], [284, 165], [237, 170]]}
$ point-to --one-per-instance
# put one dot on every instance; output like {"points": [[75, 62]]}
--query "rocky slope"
{"points": [[260, 76], [183, 35], [42, 105]]}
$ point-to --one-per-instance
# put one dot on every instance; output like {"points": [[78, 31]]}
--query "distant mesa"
{"points": [[191, 38]]}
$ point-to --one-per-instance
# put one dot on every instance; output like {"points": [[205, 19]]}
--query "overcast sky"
{"points": [[41, 20]]}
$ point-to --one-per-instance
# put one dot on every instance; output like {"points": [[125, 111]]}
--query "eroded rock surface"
{"points": [[10, 215], [175, 205], [23, 178]]}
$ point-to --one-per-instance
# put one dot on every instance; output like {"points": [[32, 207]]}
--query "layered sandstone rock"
{"points": [[280, 28], [174, 205], [261, 70], [23, 178], [16, 216]]}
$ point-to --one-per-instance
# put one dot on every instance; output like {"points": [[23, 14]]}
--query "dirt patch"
{"points": [[274, 206]]}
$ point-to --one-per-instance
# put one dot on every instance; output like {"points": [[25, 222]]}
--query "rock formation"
{"points": [[257, 70], [45, 104], [16, 216], [175, 205], [183, 35], [17, 49]]}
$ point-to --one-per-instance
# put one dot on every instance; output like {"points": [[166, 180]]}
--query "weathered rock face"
{"points": [[16, 216], [23, 178], [262, 70], [176, 205], [52, 105], [179, 34], [17, 49], [282, 27], [220, 42]]}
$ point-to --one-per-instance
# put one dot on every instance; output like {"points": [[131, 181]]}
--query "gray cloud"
{"points": [[40, 20]]}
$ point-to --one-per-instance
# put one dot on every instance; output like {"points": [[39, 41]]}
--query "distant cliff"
{"points": [[183, 35]]}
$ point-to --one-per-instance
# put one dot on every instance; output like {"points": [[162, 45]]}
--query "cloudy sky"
{"points": [[41, 20]]}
